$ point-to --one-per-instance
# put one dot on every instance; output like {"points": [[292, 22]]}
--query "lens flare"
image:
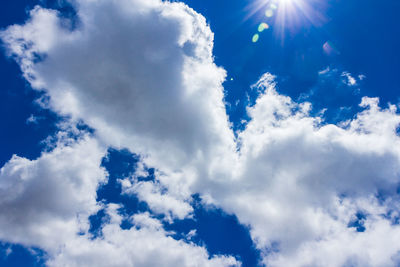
{"points": [[330, 49], [255, 38], [269, 13], [293, 15], [263, 26]]}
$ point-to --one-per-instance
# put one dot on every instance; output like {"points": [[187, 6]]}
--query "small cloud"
{"points": [[33, 119], [361, 77], [348, 79], [191, 234], [324, 71], [8, 251]]}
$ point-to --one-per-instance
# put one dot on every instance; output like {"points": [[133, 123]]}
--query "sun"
{"points": [[285, 17], [289, 14]]}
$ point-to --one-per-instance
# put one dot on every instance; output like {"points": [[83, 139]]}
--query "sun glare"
{"points": [[280, 15]]}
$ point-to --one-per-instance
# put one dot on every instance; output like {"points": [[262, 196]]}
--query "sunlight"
{"points": [[292, 15]]}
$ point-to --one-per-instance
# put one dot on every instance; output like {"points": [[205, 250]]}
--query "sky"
{"points": [[200, 133]]}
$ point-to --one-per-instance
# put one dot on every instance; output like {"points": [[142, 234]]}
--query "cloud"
{"points": [[141, 73], [146, 81], [33, 119], [300, 182], [145, 244], [335, 94], [8, 251], [348, 79], [159, 202], [47, 201]]}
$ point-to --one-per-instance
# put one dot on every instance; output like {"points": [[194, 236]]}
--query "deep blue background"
{"points": [[364, 33], [367, 38]]}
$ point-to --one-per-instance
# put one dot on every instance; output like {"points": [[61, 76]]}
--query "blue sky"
{"points": [[156, 134]]}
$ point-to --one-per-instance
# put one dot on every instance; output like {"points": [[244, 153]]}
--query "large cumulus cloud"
{"points": [[301, 182], [141, 73]]}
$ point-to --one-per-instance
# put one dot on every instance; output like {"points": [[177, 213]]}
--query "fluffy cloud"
{"points": [[141, 73], [300, 182], [47, 201], [162, 203], [145, 244]]}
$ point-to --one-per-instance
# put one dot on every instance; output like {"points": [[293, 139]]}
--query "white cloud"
{"points": [[301, 182], [333, 87], [47, 201], [33, 119], [145, 244], [147, 80], [191, 234], [348, 79], [160, 202], [8, 251], [141, 73]]}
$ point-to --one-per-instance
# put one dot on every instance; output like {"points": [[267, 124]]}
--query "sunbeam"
{"points": [[289, 15]]}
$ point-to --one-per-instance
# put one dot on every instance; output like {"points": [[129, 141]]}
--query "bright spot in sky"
{"points": [[273, 6], [263, 26], [269, 13], [255, 37], [287, 14], [330, 49]]}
